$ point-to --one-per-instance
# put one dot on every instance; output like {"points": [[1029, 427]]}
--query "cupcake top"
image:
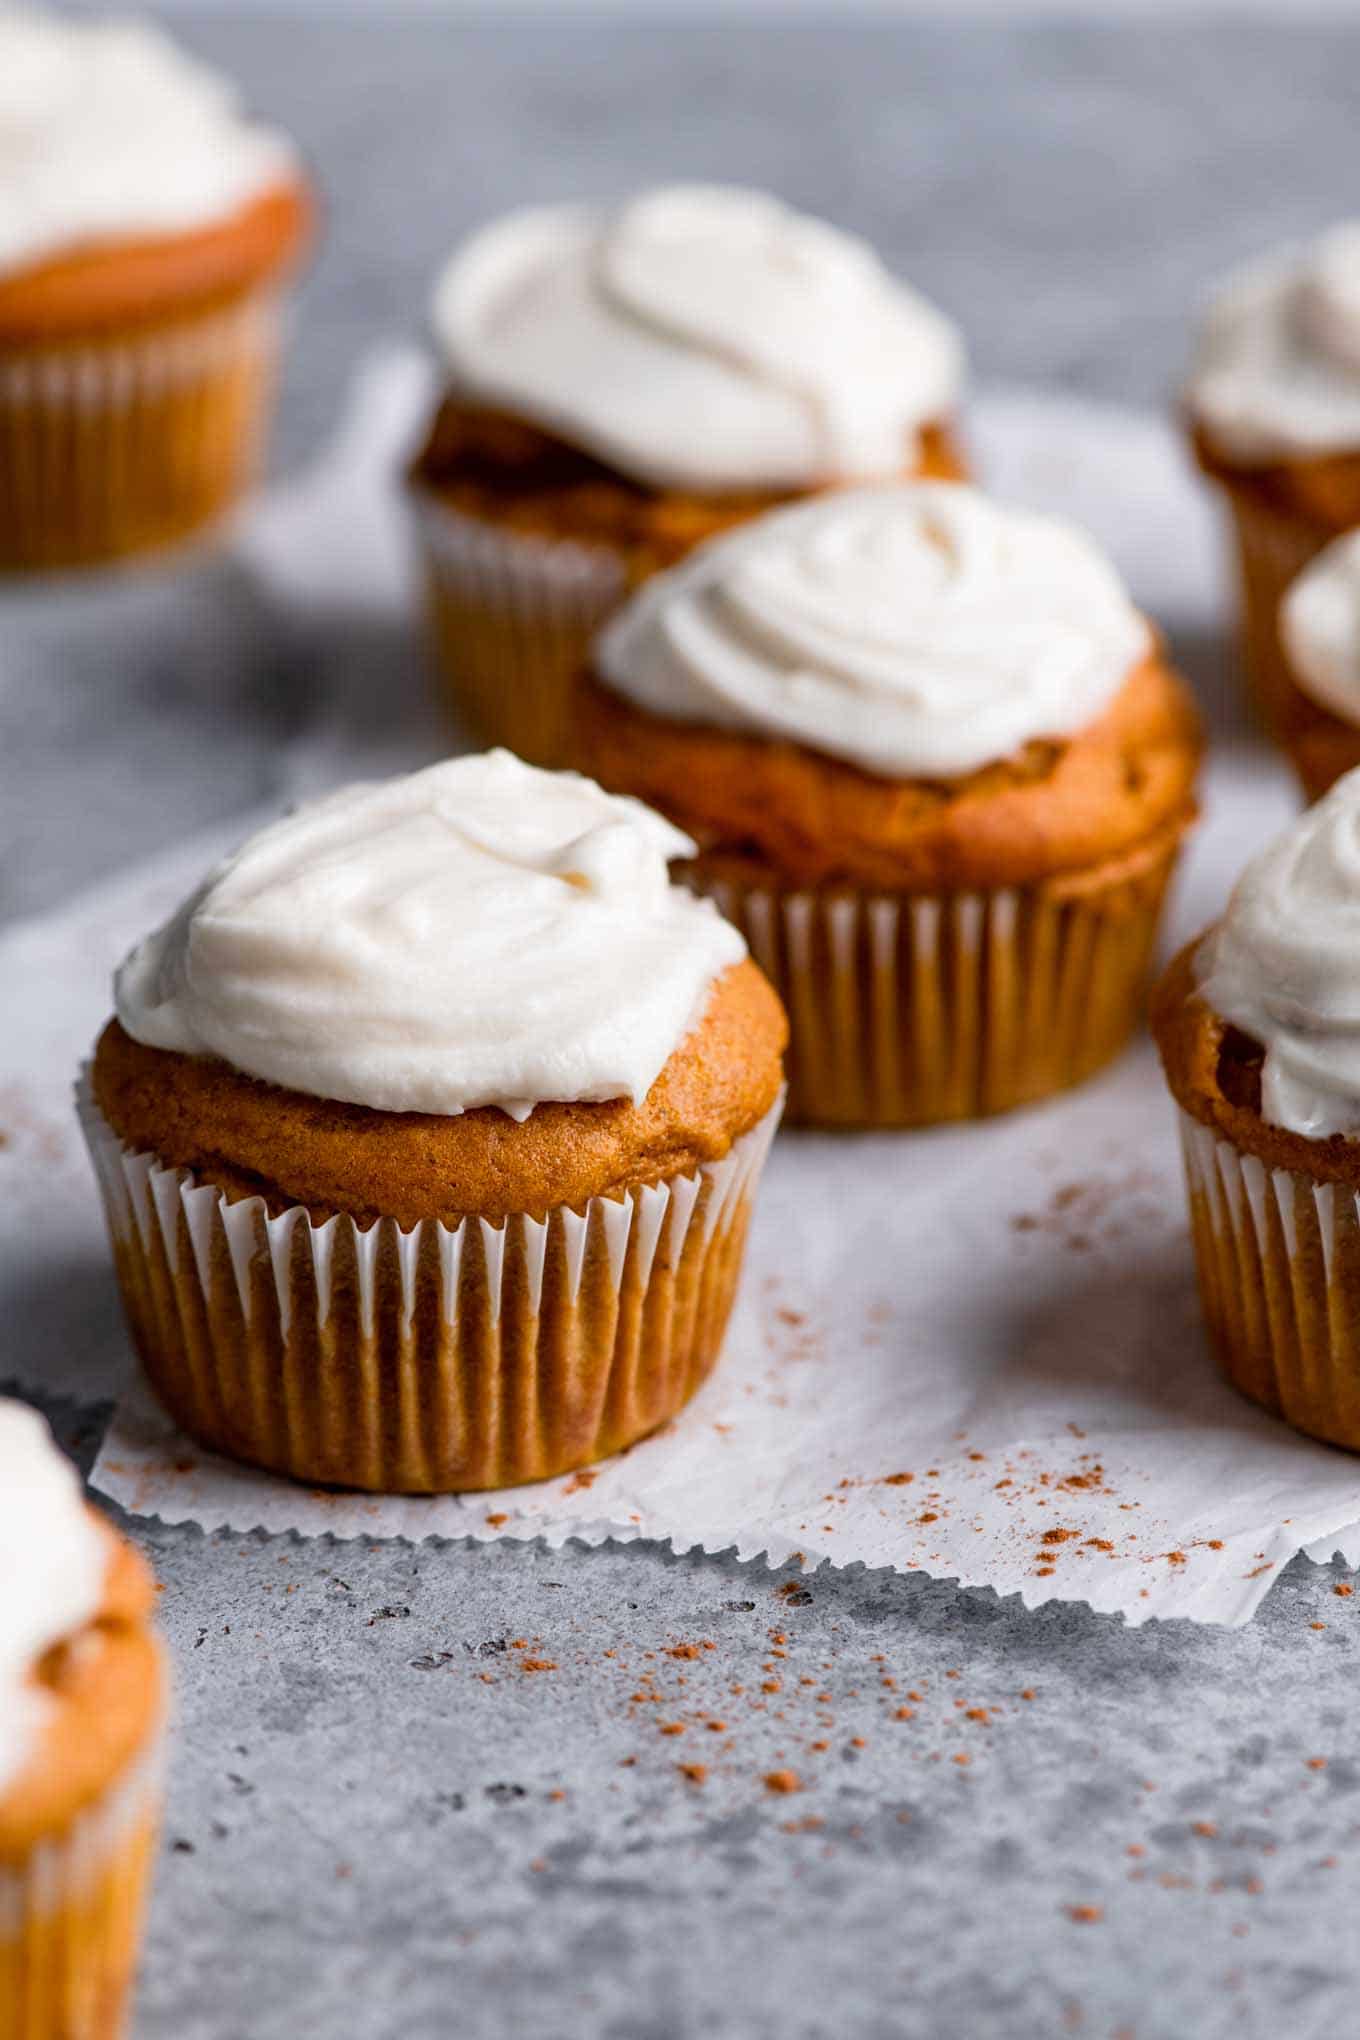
{"points": [[702, 338], [1320, 626], [1277, 371], [479, 933], [918, 631], [109, 132], [1283, 965], [53, 1563]]}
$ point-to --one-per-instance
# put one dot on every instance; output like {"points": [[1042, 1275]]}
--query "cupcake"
{"points": [[1258, 1024], [82, 1705], [146, 231], [1274, 411], [1318, 716], [428, 1130], [939, 773], [622, 384]]}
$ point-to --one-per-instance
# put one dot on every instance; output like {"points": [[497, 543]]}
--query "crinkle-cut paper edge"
{"points": [[1176, 1601]]}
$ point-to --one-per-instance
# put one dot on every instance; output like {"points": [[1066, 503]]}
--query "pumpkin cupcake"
{"points": [[1274, 411], [82, 1705], [146, 231], [1258, 1023], [1318, 716], [939, 773], [624, 383], [428, 1130]]}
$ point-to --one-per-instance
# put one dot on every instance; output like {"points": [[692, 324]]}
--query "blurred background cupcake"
{"points": [[82, 1705], [622, 385], [1258, 1023], [428, 1132], [146, 230], [1274, 409], [939, 773], [1318, 713]]}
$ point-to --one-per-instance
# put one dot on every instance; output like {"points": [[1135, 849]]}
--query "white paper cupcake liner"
{"points": [[70, 1916], [111, 446], [1278, 1256], [434, 1359], [907, 1011], [513, 618]]}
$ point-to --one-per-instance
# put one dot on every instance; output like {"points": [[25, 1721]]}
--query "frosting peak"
{"points": [[52, 1565], [918, 631], [1277, 371], [1284, 966], [108, 130], [479, 933], [702, 337]]}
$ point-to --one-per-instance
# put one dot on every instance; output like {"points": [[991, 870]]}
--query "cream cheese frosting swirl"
{"points": [[917, 631], [479, 933], [1320, 626], [1277, 371], [53, 1562], [1284, 966], [109, 131], [702, 337]]}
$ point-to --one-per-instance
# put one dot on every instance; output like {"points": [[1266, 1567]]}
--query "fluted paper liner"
{"points": [[431, 1360], [512, 617], [1273, 548], [71, 1917], [121, 444], [1278, 1256], [911, 1010]]}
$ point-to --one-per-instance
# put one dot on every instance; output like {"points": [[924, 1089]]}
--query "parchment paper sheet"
{"points": [[974, 1352]]}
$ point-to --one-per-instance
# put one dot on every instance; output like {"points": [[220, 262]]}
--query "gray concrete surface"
{"points": [[382, 1822]]}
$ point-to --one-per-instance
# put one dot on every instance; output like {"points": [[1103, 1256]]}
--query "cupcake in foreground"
{"points": [[1274, 410], [1318, 712], [623, 384], [146, 230], [1258, 1024], [82, 1708], [428, 1131], [939, 774]]}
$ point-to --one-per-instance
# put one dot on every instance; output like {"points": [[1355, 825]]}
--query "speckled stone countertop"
{"points": [[381, 1823]]}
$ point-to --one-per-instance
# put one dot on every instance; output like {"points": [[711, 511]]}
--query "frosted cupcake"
{"points": [[1318, 713], [82, 1706], [939, 773], [428, 1130], [1258, 1024], [146, 232], [625, 383], [1274, 408]]}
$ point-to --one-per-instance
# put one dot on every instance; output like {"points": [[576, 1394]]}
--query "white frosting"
{"points": [[1284, 966], [480, 933], [108, 131], [702, 337], [52, 1567], [1320, 625], [1277, 372], [919, 631]]}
